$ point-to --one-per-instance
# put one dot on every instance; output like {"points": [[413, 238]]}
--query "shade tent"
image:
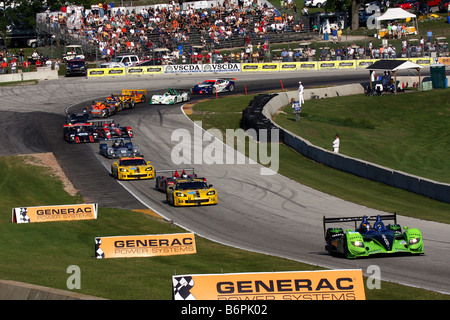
{"points": [[393, 66], [397, 14]]}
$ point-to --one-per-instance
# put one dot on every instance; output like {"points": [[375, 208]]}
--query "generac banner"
{"points": [[296, 285], [145, 245], [68, 212]]}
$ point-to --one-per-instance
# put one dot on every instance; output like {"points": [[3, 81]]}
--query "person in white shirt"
{"points": [[301, 99], [336, 143]]}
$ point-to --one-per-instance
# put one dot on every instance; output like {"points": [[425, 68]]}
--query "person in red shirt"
{"points": [[26, 64], [4, 66], [200, 57]]}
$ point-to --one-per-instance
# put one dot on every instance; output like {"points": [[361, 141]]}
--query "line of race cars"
{"points": [[211, 86], [115, 103], [191, 190], [115, 142]]}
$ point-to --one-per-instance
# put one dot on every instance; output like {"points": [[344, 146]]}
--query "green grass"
{"points": [[40, 253], [226, 113], [407, 132]]}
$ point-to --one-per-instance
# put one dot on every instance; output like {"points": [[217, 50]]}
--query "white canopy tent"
{"points": [[393, 66], [397, 14]]}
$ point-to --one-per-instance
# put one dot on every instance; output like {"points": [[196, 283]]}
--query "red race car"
{"points": [[111, 130]]}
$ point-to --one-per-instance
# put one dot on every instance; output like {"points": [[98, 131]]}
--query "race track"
{"points": [[267, 214]]}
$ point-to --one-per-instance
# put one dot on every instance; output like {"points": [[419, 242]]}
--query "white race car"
{"points": [[214, 85], [171, 97]]}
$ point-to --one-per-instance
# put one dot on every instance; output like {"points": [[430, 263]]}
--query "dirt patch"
{"points": [[48, 160]]}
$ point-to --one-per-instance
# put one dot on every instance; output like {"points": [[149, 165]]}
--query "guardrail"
{"points": [[419, 185]]}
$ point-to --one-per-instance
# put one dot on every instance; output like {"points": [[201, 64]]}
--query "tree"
{"points": [[349, 6]]}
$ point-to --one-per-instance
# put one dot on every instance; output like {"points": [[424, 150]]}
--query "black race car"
{"points": [[79, 132]]}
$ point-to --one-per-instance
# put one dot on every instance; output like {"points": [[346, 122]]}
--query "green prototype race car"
{"points": [[367, 240]]}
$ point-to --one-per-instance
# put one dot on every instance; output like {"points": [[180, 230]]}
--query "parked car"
{"points": [[121, 61], [406, 4], [315, 3], [19, 35], [76, 67], [443, 5]]}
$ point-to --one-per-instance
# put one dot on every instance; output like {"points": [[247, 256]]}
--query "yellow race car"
{"points": [[132, 168], [191, 192]]}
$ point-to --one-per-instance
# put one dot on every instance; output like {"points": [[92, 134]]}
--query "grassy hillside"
{"points": [[40, 253]]}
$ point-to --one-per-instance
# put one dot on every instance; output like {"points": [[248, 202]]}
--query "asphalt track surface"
{"points": [[267, 214]]}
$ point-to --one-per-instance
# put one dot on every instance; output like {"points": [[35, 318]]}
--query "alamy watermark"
{"points": [[211, 147], [374, 280], [74, 280]]}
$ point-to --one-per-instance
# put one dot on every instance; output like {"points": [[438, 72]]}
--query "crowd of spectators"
{"points": [[140, 30], [120, 30], [17, 62]]}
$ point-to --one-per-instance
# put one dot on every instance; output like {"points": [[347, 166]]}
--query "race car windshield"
{"points": [[191, 185], [76, 64], [208, 82], [132, 162]]}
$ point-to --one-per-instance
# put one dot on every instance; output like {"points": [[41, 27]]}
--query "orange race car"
{"points": [[128, 98], [102, 109]]}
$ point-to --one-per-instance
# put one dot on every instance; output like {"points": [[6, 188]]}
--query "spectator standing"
{"points": [[284, 55], [296, 109], [13, 65], [21, 56], [5, 66], [301, 90], [336, 143], [335, 35], [290, 55], [26, 64], [429, 35]]}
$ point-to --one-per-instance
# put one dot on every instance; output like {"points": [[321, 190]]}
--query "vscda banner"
{"points": [[68, 212], [296, 285], [145, 245]]}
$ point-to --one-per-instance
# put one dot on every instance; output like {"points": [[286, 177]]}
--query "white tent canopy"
{"points": [[397, 14], [393, 66]]}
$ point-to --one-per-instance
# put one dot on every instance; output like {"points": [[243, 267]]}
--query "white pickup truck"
{"points": [[121, 61], [315, 3]]}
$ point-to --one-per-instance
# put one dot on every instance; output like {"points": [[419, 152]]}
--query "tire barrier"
{"points": [[253, 118], [264, 106]]}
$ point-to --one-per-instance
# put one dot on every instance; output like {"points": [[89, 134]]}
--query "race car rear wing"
{"points": [[78, 124], [173, 170], [101, 122], [129, 92], [358, 219]]}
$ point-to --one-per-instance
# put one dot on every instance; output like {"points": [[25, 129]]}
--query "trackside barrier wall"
{"points": [[13, 290], [425, 187], [240, 67], [43, 73]]}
